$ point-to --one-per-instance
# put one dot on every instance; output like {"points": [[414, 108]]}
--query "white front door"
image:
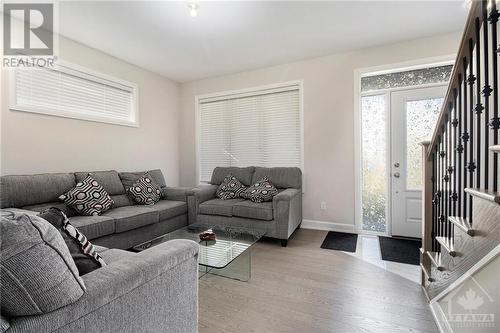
{"points": [[414, 114]]}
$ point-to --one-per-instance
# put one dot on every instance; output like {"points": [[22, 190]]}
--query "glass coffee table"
{"points": [[229, 255]]}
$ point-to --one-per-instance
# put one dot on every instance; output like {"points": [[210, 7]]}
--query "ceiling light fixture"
{"points": [[193, 8]]}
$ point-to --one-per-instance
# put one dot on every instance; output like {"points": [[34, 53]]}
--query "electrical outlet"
{"points": [[322, 205]]}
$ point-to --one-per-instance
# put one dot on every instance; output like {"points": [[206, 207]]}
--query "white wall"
{"points": [[34, 143], [328, 117]]}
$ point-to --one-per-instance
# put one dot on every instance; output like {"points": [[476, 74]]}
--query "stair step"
{"points": [[484, 194], [447, 245], [428, 276], [462, 223], [436, 260], [495, 149]]}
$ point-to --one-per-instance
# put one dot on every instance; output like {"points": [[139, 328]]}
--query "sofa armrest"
{"points": [[152, 291], [177, 193], [287, 211], [205, 192], [201, 194]]}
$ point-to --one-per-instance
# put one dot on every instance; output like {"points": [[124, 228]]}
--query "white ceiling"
{"points": [[228, 37]]}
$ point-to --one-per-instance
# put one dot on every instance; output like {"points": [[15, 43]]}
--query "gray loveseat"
{"points": [[278, 218], [123, 226], [152, 291]]}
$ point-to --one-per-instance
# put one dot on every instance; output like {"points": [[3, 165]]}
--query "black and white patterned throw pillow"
{"points": [[88, 197], [261, 191], [145, 191], [82, 251], [230, 188]]}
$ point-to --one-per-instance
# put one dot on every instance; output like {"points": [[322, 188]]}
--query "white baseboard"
{"points": [[328, 226]]}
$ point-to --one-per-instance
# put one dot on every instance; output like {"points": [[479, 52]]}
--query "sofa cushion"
{"points": [[19, 191], [57, 204], [132, 217], [88, 197], [169, 208], [81, 249], [110, 180], [218, 207], [128, 178], [37, 272], [94, 226], [281, 177], [244, 175], [145, 191], [121, 200], [230, 188], [254, 210]]}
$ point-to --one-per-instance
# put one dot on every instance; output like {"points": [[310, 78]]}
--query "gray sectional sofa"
{"points": [[152, 291], [123, 226], [278, 218]]}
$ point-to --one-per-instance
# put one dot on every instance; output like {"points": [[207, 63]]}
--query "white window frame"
{"points": [[243, 93], [88, 74], [376, 70]]}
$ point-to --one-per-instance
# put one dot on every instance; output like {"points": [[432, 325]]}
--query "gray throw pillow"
{"points": [[82, 251], [37, 273]]}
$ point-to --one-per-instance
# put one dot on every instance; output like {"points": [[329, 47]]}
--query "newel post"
{"points": [[426, 210]]}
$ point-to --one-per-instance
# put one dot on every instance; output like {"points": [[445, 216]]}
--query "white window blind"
{"points": [[70, 92], [261, 128]]}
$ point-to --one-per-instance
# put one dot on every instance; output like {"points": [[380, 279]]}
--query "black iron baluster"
{"points": [[442, 201], [434, 200], [446, 177], [479, 106], [460, 148], [465, 135], [470, 165], [449, 169], [454, 195], [493, 18], [486, 95]]}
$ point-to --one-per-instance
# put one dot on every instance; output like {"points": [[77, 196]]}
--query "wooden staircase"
{"points": [[461, 197], [458, 253]]}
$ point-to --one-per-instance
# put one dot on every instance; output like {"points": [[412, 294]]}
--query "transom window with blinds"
{"points": [[261, 127], [70, 91]]}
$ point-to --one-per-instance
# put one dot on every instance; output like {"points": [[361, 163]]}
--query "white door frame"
{"points": [[358, 74]]}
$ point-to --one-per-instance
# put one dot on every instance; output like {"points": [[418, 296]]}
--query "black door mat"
{"points": [[401, 250], [340, 241]]}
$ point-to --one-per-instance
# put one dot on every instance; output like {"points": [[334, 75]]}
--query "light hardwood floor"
{"points": [[303, 288]]}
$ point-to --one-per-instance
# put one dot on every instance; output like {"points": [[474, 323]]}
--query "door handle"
{"points": [[396, 174]]}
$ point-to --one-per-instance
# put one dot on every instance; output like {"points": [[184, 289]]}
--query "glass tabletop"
{"points": [[229, 243]]}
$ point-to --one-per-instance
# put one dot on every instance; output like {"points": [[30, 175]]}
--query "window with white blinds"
{"points": [[261, 128], [70, 91]]}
